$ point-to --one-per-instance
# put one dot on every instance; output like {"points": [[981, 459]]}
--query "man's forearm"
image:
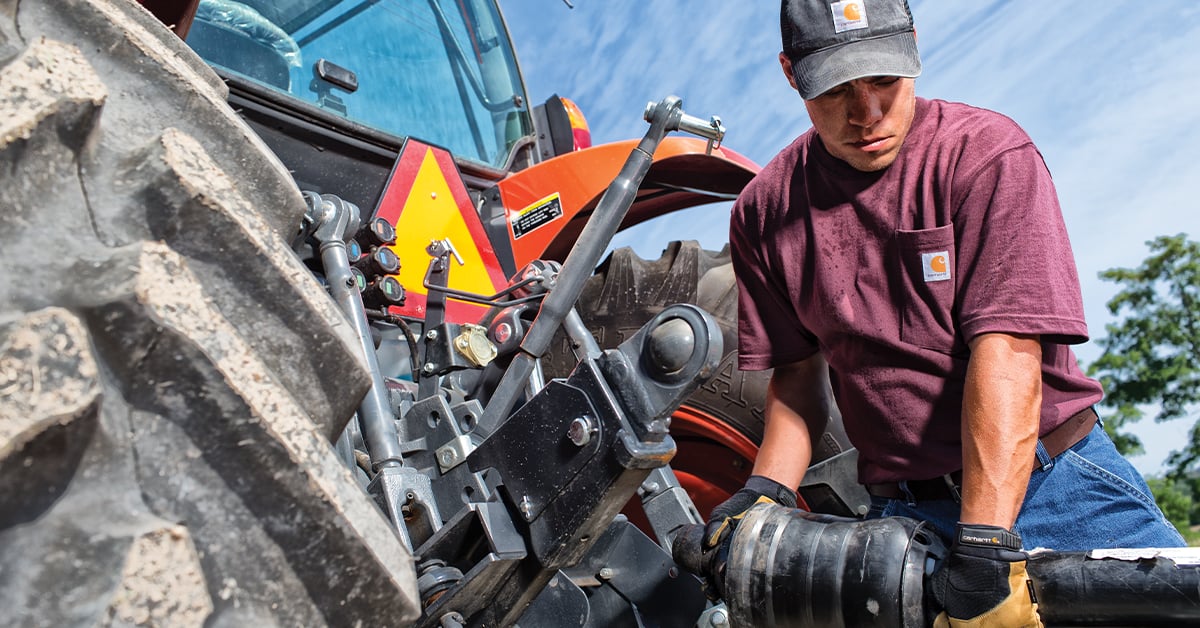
{"points": [[796, 413], [1001, 414]]}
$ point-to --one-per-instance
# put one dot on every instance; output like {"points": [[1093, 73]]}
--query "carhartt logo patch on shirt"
{"points": [[848, 15], [936, 266]]}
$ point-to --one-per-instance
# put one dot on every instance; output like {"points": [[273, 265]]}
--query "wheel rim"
{"points": [[713, 460]]}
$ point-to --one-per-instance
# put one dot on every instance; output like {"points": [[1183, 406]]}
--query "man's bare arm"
{"points": [[1001, 413], [796, 413]]}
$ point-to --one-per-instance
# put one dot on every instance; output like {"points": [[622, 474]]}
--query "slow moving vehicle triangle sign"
{"points": [[426, 200]]}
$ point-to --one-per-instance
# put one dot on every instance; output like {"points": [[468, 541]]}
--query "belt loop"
{"points": [[1043, 456], [908, 495], [954, 492]]}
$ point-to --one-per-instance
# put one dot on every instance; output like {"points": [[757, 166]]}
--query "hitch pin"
{"points": [[715, 142], [437, 247], [713, 130]]}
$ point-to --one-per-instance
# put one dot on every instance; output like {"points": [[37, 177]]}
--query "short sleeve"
{"points": [[1015, 263], [769, 332]]}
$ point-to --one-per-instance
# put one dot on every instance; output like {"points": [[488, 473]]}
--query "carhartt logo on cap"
{"points": [[936, 266], [848, 15]]}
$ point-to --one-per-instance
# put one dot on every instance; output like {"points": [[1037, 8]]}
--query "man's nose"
{"points": [[866, 107]]}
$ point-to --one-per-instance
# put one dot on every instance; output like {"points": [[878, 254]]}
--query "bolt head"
{"points": [[431, 334], [526, 507], [428, 368], [580, 431]]}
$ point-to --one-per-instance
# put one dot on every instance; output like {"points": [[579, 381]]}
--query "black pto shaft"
{"points": [[788, 567]]}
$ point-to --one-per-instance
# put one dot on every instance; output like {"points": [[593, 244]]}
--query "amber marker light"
{"points": [[579, 125]]}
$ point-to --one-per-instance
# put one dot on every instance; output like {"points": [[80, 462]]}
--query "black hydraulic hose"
{"points": [[409, 338]]}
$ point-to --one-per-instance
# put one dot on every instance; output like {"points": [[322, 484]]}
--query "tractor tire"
{"points": [[171, 376], [718, 429]]}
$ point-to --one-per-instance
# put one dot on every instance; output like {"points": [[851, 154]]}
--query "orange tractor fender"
{"points": [[544, 206], [683, 174]]}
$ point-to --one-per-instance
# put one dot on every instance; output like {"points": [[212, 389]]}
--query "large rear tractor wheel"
{"points": [[718, 429], [170, 374]]}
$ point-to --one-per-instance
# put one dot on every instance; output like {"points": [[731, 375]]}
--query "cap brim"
{"points": [[892, 55]]}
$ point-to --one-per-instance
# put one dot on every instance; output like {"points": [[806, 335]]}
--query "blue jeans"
{"points": [[1087, 497]]}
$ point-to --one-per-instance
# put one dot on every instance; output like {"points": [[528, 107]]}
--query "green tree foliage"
{"points": [[1152, 353], [1176, 498]]}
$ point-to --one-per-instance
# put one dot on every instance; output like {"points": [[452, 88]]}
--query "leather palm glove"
{"points": [[983, 583], [726, 516]]}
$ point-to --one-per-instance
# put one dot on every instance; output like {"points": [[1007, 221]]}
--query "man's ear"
{"points": [[786, 63]]}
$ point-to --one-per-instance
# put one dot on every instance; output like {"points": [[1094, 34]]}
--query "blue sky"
{"points": [[1108, 91]]}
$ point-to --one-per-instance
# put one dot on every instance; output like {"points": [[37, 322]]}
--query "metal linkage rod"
{"points": [[335, 220], [663, 117]]}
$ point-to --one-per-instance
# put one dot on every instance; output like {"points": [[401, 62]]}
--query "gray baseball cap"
{"points": [[830, 42]]}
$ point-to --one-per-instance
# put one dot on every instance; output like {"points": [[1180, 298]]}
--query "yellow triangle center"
{"points": [[429, 214]]}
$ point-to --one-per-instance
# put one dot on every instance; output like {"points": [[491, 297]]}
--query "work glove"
{"points": [[983, 583], [725, 518]]}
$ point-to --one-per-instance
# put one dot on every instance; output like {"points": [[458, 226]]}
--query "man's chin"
{"points": [[870, 163]]}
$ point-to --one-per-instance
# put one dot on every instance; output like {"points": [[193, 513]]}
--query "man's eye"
{"points": [[884, 81]]}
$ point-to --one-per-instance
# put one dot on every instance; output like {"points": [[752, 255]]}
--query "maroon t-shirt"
{"points": [[889, 274]]}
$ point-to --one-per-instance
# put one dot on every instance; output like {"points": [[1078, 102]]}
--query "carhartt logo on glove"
{"points": [[983, 582], [848, 15]]}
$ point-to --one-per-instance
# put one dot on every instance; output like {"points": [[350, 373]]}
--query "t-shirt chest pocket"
{"points": [[925, 280]]}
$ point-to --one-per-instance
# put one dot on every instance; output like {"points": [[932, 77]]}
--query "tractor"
{"points": [[308, 320]]}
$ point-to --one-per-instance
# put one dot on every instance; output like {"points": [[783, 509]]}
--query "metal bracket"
{"points": [[716, 616], [454, 452], [668, 506]]}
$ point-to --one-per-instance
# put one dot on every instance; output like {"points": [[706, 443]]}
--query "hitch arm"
{"points": [[664, 117]]}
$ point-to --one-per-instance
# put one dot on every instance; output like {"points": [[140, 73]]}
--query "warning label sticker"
{"points": [[536, 215]]}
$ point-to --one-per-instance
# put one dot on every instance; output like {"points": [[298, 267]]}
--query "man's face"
{"points": [[863, 122]]}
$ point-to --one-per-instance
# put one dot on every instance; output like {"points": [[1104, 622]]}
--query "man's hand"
{"points": [[983, 582], [726, 516]]}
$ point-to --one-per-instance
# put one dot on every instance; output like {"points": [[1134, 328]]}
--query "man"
{"points": [[910, 256]]}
